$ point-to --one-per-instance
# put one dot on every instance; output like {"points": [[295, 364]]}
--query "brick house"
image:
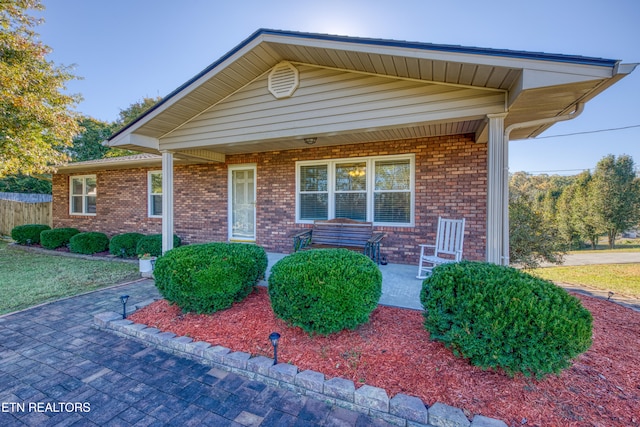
{"points": [[290, 127]]}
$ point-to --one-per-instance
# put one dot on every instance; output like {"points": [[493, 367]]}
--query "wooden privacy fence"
{"points": [[15, 212]]}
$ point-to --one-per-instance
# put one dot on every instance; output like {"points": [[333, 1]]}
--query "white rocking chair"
{"points": [[449, 239]]}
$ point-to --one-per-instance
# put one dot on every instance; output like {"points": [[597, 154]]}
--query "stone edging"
{"points": [[401, 410]]}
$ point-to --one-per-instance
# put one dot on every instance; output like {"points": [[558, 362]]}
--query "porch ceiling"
{"points": [[530, 79]]}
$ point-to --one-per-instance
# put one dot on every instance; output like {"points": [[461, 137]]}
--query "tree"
{"points": [[586, 220], [565, 218], [134, 111], [128, 115], [26, 184], [36, 118], [615, 195], [87, 145], [531, 239]]}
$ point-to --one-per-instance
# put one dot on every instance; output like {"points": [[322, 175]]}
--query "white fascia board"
{"points": [[625, 68], [533, 79], [128, 138]]}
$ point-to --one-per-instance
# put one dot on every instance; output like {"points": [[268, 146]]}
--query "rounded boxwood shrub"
{"points": [[325, 291], [126, 241], [28, 233], [53, 239], [209, 277], [500, 317], [152, 244], [88, 243]]}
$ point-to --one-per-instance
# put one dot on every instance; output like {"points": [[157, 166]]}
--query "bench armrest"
{"points": [[376, 238], [302, 239], [372, 248]]}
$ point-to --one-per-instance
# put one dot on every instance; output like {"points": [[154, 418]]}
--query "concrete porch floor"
{"points": [[400, 288]]}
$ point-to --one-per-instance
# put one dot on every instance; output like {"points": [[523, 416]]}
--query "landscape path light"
{"points": [[123, 300], [274, 337]]}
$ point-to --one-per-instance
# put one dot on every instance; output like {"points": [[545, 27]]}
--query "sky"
{"points": [[126, 50]]}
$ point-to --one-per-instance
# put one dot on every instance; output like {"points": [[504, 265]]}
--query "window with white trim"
{"points": [[155, 194], [83, 192], [374, 189]]}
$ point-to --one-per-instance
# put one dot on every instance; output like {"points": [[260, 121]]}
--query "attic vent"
{"points": [[283, 80]]}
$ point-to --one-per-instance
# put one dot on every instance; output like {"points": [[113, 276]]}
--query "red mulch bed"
{"points": [[393, 352]]}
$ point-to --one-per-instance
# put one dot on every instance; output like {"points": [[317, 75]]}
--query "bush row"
{"points": [[125, 245], [321, 291]]}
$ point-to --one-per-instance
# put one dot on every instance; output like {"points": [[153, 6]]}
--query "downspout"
{"points": [[540, 122]]}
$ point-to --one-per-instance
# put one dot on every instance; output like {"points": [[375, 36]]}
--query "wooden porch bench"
{"points": [[340, 233]]}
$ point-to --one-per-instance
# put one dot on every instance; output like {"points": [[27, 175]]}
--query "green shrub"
{"points": [[500, 317], [209, 277], [126, 241], [53, 239], [325, 291], [28, 233], [88, 243], [152, 244]]}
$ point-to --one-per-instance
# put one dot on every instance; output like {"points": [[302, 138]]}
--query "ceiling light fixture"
{"points": [[311, 140]]}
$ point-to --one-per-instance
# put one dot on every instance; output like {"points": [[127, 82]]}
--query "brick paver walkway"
{"points": [[56, 370]]}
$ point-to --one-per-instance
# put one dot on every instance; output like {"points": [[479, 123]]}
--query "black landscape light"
{"points": [[122, 252], [123, 300], [274, 337], [610, 295]]}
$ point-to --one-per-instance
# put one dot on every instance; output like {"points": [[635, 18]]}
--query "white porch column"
{"points": [[498, 192], [167, 201]]}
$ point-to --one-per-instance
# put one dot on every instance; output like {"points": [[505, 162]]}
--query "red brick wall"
{"points": [[450, 181]]}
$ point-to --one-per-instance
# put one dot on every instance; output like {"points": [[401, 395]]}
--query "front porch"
{"points": [[400, 288]]}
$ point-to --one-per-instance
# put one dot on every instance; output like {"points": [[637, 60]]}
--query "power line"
{"points": [[589, 132], [561, 170]]}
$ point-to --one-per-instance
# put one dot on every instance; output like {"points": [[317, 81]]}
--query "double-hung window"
{"points": [[374, 189], [155, 194], [82, 200]]}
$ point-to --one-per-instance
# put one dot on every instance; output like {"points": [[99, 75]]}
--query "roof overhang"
{"points": [[536, 86], [111, 163]]}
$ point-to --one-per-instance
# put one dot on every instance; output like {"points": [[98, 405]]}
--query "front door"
{"points": [[242, 206]]}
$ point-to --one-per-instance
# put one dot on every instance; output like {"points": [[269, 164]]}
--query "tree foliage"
{"points": [[134, 111], [87, 145], [532, 240], [26, 184], [126, 116], [36, 117], [572, 211], [615, 194]]}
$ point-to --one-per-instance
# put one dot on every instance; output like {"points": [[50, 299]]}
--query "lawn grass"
{"points": [[28, 279], [623, 244], [618, 278]]}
